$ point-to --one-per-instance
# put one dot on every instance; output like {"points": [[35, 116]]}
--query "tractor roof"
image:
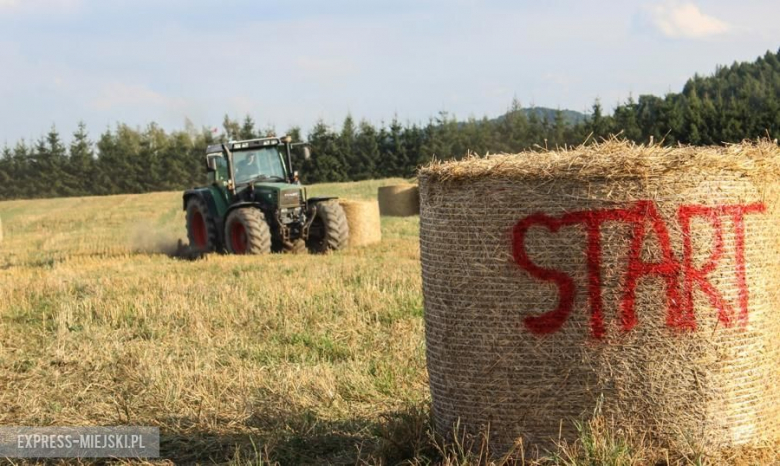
{"points": [[246, 144]]}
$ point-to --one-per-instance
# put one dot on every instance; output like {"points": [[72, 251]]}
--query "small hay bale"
{"points": [[364, 223], [638, 282], [399, 201]]}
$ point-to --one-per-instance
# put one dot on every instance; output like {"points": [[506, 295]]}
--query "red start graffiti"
{"points": [[681, 278]]}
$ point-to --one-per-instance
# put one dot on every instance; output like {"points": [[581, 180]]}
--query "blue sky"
{"points": [[296, 61]]}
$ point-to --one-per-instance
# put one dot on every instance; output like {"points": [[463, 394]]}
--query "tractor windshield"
{"points": [[258, 163]]}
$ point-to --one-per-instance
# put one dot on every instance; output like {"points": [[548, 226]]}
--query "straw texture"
{"points": [[399, 200], [365, 226], [638, 281]]}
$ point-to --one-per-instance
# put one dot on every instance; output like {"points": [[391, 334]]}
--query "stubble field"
{"points": [[277, 359], [295, 359]]}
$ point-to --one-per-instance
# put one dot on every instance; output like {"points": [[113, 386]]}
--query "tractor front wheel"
{"points": [[329, 231], [247, 232], [201, 230]]}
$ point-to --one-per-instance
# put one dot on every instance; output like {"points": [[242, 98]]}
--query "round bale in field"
{"points": [[635, 282], [399, 201], [364, 223]]}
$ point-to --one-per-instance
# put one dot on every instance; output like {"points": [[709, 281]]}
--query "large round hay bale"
{"points": [[399, 201], [365, 226], [637, 282]]}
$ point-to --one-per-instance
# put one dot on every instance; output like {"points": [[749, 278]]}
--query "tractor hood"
{"points": [[282, 195]]}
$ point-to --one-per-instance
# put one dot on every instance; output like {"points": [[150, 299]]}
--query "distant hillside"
{"points": [[736, 102], [570, 117]]}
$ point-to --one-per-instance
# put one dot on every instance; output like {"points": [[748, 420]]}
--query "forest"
{"points": [[736, 102]]}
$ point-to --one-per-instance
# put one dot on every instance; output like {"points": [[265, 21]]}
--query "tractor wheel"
{"points": [[297, 246], [329, 231], [246, 232], [201, 230]]}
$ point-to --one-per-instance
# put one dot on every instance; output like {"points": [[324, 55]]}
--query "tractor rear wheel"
{"points": [[329, 231], [201, 230], [247, 232]]}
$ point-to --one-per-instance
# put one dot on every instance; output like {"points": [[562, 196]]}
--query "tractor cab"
{"points": [[241, 163]]}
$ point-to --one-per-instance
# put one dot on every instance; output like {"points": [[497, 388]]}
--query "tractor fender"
{"points": [[205, 194]]}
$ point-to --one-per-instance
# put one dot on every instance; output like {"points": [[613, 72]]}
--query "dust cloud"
{"points": [[146, 238]]}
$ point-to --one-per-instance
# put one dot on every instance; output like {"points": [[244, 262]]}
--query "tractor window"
{"points": [[254, 163], [222, 171]]}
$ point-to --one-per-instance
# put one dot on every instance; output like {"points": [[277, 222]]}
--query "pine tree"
{"points": [[22, 167], [412, 140], [346, 148], [152, 144], [6, 157], [558, 138], [81, 165], [232, 130], [59, 159], [513, 130], [180, 164], [366, 152], [324, 165], [626, 120], [598, 124], [672, 119], [247, 130], [393, 158]]}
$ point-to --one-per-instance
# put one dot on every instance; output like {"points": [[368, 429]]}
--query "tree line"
{"points": [[741, 101]]}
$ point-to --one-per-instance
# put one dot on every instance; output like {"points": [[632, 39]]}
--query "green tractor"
{"points": [[254, 203]]}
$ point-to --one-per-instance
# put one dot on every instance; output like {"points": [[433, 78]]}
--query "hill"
{"points": [[736, 102], [570, 117]]}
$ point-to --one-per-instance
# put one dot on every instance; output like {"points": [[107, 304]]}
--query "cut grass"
{"points": [[247, 360], [238, 360]]}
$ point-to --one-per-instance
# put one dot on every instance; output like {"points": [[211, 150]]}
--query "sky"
{"points": [[294, 62]]}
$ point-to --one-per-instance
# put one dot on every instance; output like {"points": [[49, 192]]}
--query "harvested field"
{"points": [[239, 360], [100, 326]]}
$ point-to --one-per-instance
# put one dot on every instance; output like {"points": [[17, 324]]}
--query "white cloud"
{"points": [[678, 19]]}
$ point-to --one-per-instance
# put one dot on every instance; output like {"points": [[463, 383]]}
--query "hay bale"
{"points": [[399, 201], [637, 281], [364, 223]]}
